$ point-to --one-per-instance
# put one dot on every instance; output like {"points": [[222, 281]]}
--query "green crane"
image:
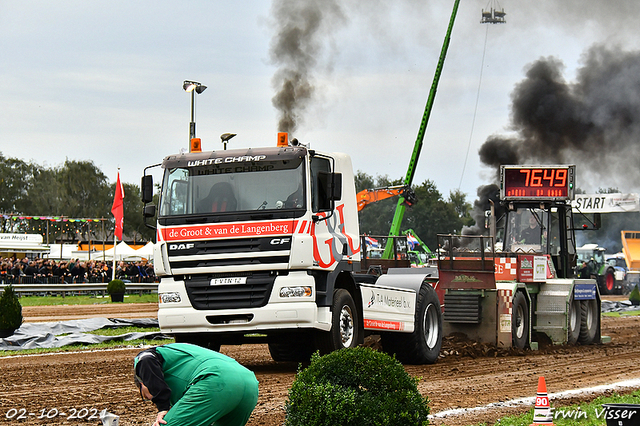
{"points": [[408, 180]]}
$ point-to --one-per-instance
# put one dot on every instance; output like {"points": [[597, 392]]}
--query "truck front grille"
{"points": [[216, 255], [254, 294]]}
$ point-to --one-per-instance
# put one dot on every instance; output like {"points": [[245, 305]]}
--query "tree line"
{"points": [[432, 214], [75, 189], [79, 189]]}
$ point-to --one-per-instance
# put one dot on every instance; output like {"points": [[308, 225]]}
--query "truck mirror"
{"points": [[149, 210], [146, 186], [329, 189], [336, 186], [324, 202]]}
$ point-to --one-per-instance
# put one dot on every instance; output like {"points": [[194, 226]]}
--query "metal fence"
{"points": [[67, 289], [30, 279]]}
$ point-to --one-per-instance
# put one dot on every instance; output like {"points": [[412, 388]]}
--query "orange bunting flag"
{"points": [[118, 209]]}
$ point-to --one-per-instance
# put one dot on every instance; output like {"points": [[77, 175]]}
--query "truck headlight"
{"points": [[298, 291], [173, 297]]}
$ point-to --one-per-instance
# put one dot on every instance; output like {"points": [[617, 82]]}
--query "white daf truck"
{"points": [[262, 245]]}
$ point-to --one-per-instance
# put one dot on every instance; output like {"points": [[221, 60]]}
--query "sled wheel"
{"points": [[589, 321], [574, 321], [520, 321]]}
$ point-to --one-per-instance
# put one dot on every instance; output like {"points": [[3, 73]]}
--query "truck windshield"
{"points": [[239, 187]]}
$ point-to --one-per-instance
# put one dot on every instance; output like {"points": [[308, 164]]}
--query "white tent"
{"points": [[122, 250], [146, 251], [68, 252]]}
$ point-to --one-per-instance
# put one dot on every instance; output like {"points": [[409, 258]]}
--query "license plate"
{"points": [[228, 281]]}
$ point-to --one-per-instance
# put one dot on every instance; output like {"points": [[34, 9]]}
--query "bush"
{"points": [[10, 309], [115, 287], [634, 296], [355, 386]]}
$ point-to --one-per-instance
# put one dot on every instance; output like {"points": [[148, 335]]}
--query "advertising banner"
{"points": [[606, 203]]}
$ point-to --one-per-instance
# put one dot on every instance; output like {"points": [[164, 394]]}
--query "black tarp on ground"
{"points": [[625, 305], [58, 334]]}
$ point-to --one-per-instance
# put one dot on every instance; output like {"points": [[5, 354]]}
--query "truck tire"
{"points": [[520, 321], [608, 282], [291, 350], [424, 344], [589, 321], [574, 321], [201, 339], [345, 324]]}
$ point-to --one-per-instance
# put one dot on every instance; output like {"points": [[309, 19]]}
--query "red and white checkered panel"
{"points": [[505, 301], [506, 269]]}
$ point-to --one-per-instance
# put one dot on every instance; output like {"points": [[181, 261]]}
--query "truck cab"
{"points": [[262, 246]]}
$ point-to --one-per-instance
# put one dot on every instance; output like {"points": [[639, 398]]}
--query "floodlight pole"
{"points": [[192, 124], [193, 87]]}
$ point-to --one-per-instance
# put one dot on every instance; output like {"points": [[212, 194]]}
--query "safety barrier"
{"points": [[30, 279], [76, 288]]}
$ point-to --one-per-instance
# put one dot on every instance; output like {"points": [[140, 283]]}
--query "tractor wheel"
{"points": [[345, 324], [520, 321], [589, 321], [608, 282], [574, 321], [424, 344]]}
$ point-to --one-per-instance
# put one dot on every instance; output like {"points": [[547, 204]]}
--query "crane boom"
{"points": [[408, 180], [368, 196]]}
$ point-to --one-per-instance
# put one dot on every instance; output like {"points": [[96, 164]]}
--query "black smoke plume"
{"points": [[297, 49], [593, 123]]}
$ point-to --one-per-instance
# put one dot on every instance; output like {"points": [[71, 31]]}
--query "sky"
{"points": [[102, 81]]}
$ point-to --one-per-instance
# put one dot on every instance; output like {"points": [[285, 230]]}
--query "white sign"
{"points": [[606, 203], [388, 308], [21, 238]]}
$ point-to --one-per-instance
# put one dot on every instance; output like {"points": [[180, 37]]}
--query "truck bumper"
{"points": [[278, 314]]}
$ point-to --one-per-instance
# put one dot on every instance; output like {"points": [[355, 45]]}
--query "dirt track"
{"points": [[96, 380]]}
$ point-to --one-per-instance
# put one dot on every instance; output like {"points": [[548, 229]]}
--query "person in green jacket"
{"points": [[194, 386]]}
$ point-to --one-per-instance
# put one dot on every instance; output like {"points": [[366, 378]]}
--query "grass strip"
{"points": [[54, 300]]}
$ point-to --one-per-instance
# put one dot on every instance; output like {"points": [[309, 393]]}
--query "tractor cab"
{"points": [[544, 228]]}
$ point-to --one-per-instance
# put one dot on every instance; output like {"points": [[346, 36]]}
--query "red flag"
{"points": [[118, 209]]}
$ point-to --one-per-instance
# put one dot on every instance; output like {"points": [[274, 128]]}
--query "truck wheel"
{"points": [[574, 321], [201, 339], [345, 324], [520, 321], [424, 344], [589, 321], [291, 350], [608, 283]]}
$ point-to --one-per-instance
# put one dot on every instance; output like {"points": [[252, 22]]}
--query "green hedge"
{"points": [[10, 309], [116, 286], [355, 386], [634, 297]]}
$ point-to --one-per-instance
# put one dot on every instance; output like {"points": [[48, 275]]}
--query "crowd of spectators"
{"points": [[50, 271]]}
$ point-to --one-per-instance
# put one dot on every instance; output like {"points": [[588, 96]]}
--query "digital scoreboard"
{"points": [[537, 182]]}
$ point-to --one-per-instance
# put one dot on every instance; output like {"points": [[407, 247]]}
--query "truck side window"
{"points": [[317, 164], [175, 198]]}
